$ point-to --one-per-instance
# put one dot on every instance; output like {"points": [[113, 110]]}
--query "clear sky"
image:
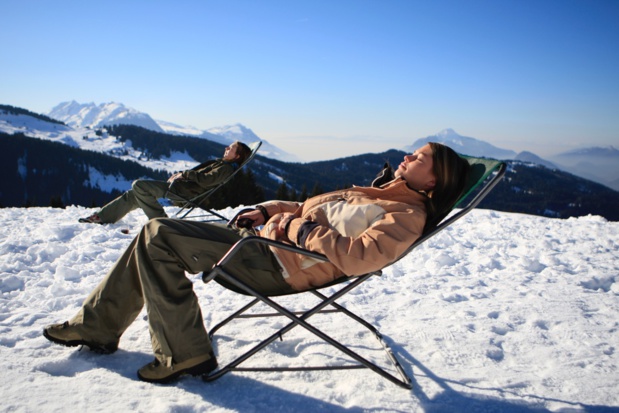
{"points": [[326, 78]]}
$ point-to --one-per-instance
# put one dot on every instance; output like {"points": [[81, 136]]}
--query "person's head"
{"points": [[237, 152], [440, 173], [417, 169]]}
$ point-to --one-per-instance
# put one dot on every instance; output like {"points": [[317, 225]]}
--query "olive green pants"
{"points": [[151, 273], [144, 194]]}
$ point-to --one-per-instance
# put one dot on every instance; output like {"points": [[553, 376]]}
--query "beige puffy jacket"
{"points": [[361, 229]]}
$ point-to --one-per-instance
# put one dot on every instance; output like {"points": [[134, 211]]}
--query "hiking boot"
{"points": [[155, 372], [68, 335], [93, 219]]}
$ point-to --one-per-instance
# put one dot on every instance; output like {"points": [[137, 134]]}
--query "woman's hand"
{"points": [[285, 218]]}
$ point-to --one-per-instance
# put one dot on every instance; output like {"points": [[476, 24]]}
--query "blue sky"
{"points": [[323, 79]]}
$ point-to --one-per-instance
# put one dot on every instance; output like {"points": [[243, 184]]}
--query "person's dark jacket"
{"points": [[210, 173]]}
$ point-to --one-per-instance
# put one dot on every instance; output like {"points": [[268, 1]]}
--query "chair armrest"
{"points": [[254, 239]]}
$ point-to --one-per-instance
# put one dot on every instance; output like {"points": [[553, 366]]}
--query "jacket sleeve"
{"points": [[275, 207], [378, 246], [211, 175]]}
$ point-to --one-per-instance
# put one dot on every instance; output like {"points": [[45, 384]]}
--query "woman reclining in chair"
{"points": [[179, 187], [359, 230]]}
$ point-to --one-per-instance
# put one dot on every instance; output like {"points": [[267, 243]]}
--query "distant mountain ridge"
{"points": [[609, 151], [599, 164], [464, 145], [529, 157], [239, 132]]}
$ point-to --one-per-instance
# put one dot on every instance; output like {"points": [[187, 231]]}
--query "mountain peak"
{"points": [[232, 130], [95, 116], [447, 132], [463, 145], [241, 133]]}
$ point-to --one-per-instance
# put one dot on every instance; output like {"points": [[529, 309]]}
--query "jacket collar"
{"points": [[395, 189]]}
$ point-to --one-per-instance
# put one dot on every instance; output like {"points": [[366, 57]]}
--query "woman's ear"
{"points": [[430, 185]]}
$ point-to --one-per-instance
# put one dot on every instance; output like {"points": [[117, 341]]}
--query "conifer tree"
{"points": [[317, 190], [282, 192], [303, 195]]}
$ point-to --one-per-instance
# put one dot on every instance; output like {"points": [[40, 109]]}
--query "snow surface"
{"points": [[500, 312]]}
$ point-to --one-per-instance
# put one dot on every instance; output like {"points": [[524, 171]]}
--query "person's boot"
{"points": [[68, 335], [155, 372], [93, 219]]}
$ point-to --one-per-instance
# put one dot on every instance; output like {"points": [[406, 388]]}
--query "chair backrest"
{"points": [[480, 169], [479, 178], [190, 204], [254, 148]]}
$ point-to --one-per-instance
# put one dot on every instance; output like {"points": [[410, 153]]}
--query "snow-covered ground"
{"points": [[501, 312]]}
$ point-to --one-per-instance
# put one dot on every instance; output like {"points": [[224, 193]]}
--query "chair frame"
{"points": [[192, 203], [300, 318]]}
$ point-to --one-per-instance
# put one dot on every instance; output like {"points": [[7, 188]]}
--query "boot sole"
{"points": [[70, 343], [97, 348], [199, 370]]}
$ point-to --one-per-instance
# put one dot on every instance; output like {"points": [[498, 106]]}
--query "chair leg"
{"points": [[404, 381], [188, 208]]}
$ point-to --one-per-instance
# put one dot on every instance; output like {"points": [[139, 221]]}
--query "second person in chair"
{"points": [[184, 185]]}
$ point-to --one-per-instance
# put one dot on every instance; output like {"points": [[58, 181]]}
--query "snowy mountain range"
{"points": [[464, 145], [90, 115], [94, 116]]}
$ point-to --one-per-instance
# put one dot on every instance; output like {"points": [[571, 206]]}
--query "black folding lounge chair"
{"points": [[481, 169], [188, 205]]}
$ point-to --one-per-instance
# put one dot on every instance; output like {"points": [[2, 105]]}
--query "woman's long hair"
{"points": [[451, 172]]}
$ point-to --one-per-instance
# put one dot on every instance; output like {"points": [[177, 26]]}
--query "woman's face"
{"points": [[417, 169], [230, 152]]}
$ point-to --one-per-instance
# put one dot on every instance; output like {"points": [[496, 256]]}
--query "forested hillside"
{"points": [[40, 173], [43, 173]]}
